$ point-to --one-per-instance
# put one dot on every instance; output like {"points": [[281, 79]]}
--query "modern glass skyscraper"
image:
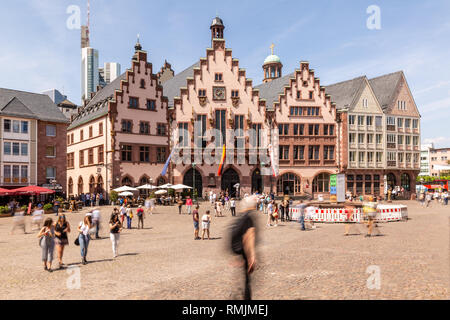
{"points": [[89, 72]]}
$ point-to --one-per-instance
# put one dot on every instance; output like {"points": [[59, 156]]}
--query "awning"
{"points": [[32, 190], [6, 192]]}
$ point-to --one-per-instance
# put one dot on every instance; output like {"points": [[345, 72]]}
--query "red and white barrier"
{"points": [[384, 214]]}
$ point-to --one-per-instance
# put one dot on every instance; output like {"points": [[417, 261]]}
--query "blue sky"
{"points": [[39, 52]]}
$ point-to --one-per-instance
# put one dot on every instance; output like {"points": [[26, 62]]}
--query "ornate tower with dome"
{"points": [[272, 67]]}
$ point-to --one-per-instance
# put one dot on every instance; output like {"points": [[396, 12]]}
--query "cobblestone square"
{"points": [[163, 261]]}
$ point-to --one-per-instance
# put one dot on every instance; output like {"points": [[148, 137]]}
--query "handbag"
{"points": [[77, 241]]}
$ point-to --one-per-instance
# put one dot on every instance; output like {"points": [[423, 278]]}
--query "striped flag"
{"points": [[272, 160], [224, 151], [166, 166]]}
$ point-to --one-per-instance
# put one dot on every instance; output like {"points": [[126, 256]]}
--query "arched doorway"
{"points": [[92, 185], [70, 188], [188, 180], [161, 181], [289, 183], [144, 180], [391, 181], [229, 179], [257, 185], [321, 183], [406, 182], [100, 184], [80, 185], [126, 181]]}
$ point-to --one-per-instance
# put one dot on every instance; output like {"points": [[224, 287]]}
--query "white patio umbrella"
{"points": [[126, 194], [148, 187], [180, 187], [161, 192], [125, 188], [166, 186]]}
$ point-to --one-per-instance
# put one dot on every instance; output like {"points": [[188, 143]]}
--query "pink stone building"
{"points": [[121, 136]]}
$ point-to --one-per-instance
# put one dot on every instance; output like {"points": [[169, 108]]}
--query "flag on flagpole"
{"points": [[222, 160], [272, 161], [166, 166]]}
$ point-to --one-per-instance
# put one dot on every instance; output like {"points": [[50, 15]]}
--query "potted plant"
{"points": [[48, 208], [113, 196]]}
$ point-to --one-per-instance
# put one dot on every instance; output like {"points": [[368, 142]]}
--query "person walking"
{"points": [[38, 216], [445, 195], [196, 218], [281, 210], [129, 214], [302, 208], [370, 210], [84, 237], [219, 208], [140, 214], [287, 203], [62, 228], [19, 221], [233, 207], [428, 199], [188, 204], [206, 223], [349, 211], [147, 205], [122, 213], [180, 205], [47, 243], [96, 218], [422, 198], [115, 227], [243, 242]]}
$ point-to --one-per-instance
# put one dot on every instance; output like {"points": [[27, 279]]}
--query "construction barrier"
{"points": [[385, 213]]}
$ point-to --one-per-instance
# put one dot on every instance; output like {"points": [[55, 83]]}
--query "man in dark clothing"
{"points": [[196, 218], [243, 239]]}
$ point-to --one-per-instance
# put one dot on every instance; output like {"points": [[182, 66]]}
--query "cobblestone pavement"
{"points": [[164, 262]]}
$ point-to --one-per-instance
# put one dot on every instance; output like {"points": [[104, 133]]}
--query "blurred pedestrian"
{"points": [[96, 219], [243, 241], [302, 208], [180, 205], [38, 216], [62, 228], [370, 210], [19, 221], [47, 243]]}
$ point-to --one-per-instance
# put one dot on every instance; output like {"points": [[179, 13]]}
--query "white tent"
{"points": [[125, 188], [441, 167], [126, 194], [166, 186], [180, 187], [161, 192], [148, 187]]}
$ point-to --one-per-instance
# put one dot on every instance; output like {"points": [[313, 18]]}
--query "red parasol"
{"points": [[6, 192], [32, 190]]}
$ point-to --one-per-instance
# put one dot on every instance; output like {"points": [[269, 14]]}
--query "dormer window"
{"points": [[311, 95], [218, 77], [142, 84], [299, 94], [235, 93], [202, 92]]}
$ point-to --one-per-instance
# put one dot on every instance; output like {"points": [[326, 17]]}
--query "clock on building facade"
{"points": [[219, 93]]}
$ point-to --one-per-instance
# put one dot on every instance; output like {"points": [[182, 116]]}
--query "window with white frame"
{"points": [[391, 156], [391, 138], [379, 156], [415, 124], [352, 137], [365, 103], [360, 120], [400, 122], [351, 119], [379, 138], [390, 121], [352, 156]]}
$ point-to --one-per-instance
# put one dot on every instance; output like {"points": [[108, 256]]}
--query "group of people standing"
{"points": [[426, 197]]}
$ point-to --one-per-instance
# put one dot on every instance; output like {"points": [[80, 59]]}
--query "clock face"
{"points": [[219, 93]]}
